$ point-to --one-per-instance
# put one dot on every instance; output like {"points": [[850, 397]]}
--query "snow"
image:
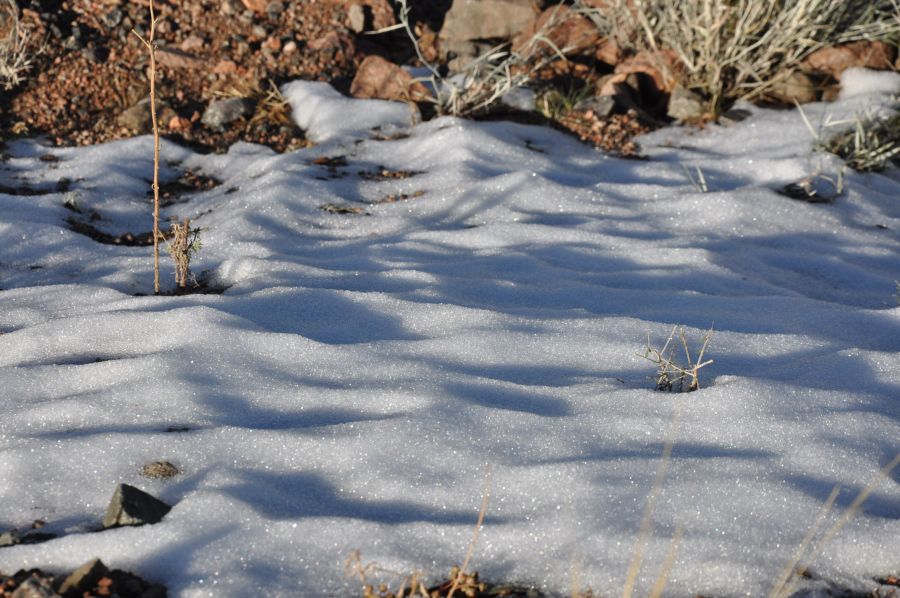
{"points": [[348, 388]]}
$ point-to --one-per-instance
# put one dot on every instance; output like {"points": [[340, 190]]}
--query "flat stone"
{"points": [[469, 20], [795, 87], [222, 112], [178, 59], [685, 104], [131, 506], [84, 578], [380, 79]]}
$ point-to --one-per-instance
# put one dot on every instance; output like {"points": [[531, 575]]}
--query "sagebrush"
{"points": [[740, 49]]}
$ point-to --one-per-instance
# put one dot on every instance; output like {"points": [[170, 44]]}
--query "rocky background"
{"points": [[220, 63]]}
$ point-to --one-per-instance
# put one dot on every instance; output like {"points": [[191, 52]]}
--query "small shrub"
{"points": [[672, 373], [739, 49], [16, 54]]}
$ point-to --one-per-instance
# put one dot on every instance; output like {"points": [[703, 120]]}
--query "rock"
{"points": [[178, 59], [469, 20], [138, 118], [225, 67], [608, 52], [192, 42], [381, 79], [601, 106], [34, 587], [835, 60], [257, 6], [222, 112], [10, 538], [570, 32], [793, 87], [357, 17], [685, 105], [379, 13], [159, 470], [131, 506], [734, 116], [84, 578]]}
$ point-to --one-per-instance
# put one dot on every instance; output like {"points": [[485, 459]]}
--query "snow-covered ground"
{"points": [[349, 387]]}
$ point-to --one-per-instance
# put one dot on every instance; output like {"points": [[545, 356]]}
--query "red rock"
{"points": [[837, 59], [225, 67], [662, 74], [257, 6], [178, 59], [192, 42], [570, 33], [378, 78]]}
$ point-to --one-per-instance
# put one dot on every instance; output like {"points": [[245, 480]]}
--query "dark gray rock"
{"points": [[222, 112], [601, 106], [131, 506], [137, 118], [84, 578], [684, 104]]}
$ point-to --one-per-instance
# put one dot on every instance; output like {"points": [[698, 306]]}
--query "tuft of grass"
{"points": [[739, 49], [555, 103], [16, 54], [674, 373], [871, 144]]}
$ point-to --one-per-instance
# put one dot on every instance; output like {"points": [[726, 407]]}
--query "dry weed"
{"points": [[16, 54], [671, 375]]}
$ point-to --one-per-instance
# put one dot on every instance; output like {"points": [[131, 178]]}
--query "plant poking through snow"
{"points": [[870, 145], [671, 375], [185, 243], [485, 80], [150, 42], [15, 55], [733, 49]]}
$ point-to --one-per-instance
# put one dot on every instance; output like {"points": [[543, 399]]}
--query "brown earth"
{"points": [[89, 83]]}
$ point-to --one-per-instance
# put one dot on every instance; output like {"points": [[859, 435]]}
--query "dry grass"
{"points": [[870, 144], [740, 49], [803, 557], [16, 55], [150, 43], [674, 373]]}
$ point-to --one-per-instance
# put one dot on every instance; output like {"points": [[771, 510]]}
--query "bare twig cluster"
{"points": [[184, 244], [16, 56], [674, 374]]}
